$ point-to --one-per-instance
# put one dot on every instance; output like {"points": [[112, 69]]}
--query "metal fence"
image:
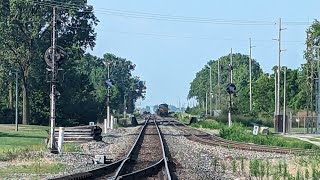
{"points": [[303, 124]]}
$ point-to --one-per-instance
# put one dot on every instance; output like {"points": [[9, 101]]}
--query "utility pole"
{"points": [[53, 81], [210, 90], [284, 100], [275, 96], [279, 67], [206, 103], [318, 91], [230, 96], [250, 74], [124, 106], [17, 101], [10, 91], [219, 93]]}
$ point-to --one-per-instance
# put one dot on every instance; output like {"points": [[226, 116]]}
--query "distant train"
{"points": [[163, 110]]}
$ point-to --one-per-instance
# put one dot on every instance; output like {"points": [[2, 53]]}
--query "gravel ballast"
{"points": [[197, 161], [115, 145]]}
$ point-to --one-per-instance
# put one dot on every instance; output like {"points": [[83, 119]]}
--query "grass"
{"points": [[39, 167], [209, 124], [28, 138], [240, 133], [182, 117], [71, 147]]}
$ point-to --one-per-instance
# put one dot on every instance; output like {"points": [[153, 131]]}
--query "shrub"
{"points": [[209, 124], [238, 132]]}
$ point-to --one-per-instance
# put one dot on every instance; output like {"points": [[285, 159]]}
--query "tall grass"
{"points": [[209, 124], [238, 132]]}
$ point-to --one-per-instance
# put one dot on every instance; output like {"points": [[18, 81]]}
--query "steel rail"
{"points": [[104, 170], [165, 158], [163, 162], [214, 140]]}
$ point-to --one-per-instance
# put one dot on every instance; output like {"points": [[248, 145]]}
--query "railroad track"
{"points": [[146, 159], [213, 140]]}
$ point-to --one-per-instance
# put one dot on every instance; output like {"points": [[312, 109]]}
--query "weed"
{"points": [[223, 166], [306, 174], [268, 168], [242, 165], [262, 169], [234, 166]]}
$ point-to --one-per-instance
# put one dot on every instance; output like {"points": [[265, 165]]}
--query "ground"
{"points": [[24, 156]]}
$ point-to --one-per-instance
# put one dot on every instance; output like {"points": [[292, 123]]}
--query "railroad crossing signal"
{"points": [[231, 88], [109, 83], [60, 54]]}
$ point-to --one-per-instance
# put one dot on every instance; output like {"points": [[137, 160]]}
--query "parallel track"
{"points": [[146, 158], [209, 139]]}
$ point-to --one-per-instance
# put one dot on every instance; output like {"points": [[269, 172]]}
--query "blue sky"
{"points": [[169, 51]]}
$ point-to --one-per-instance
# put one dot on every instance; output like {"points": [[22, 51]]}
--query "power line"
{"points": [[186, 37], [163, 17], [133, 14]]}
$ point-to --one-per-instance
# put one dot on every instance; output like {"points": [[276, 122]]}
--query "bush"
{"points": [[7, 116], [210, 124], [240, 133], [247, 121]]}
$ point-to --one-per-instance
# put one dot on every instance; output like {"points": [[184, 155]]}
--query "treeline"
{"points": [[26, 31], [299, 83]]}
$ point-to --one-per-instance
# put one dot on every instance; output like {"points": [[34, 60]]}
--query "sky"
{"points": [[171, 40]]}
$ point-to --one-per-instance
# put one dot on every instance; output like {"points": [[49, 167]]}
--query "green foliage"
{"points": [[34, 168], [268, 168], [262, 85], [210, 124], [254, 167], [194, 110], [237, 132], [200, 85], [28, 138], [234, 166], [245, 120], [306, 174], [242, 165], [25, 36], [223, 166]]}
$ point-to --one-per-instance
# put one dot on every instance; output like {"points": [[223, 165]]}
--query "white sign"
{"points": [[255, 130], [297, 120]]}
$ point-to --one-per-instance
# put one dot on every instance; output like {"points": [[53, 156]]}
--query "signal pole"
{"points": [[53, 81], [108, 100], [231, 66]]}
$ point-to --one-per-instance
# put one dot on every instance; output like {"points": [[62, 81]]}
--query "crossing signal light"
{"points": [[109, 83], [231, 88]]}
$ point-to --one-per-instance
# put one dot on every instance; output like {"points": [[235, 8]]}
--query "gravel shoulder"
{"points": [[199, 161]]}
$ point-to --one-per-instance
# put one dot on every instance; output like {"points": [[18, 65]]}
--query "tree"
{"points": [[200, 85], [25, 28]]}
